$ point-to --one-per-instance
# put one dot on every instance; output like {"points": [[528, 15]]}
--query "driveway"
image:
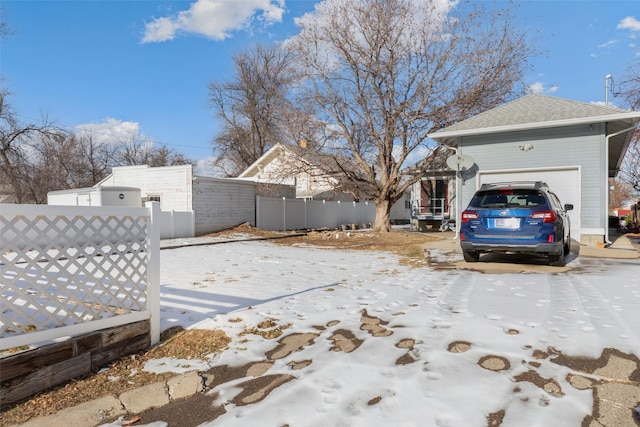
{"points": [[357, 338], [445, 253]]}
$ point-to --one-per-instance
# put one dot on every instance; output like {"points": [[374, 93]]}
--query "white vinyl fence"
{"points": [[69, 270], [175, 224], [297, 214]]}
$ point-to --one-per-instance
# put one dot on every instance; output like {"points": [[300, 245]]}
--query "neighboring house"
{"points": [[302, 168], [575, 147], [295, 166], [201, 204]]}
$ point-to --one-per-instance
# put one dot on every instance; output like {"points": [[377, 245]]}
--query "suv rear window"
{"points": [[508, 197]]}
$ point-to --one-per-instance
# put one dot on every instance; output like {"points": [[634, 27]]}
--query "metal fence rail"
{"points": [[435, 210], [65, 270]]}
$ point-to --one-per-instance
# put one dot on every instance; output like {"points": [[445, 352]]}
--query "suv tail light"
{"points": [[545, 216], [467, 215]]}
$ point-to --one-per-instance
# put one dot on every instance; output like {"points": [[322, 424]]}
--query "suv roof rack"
{"points": [[531, 184]]}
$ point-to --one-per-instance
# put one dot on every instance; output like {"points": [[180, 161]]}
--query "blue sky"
{"points": [[119, 66]]}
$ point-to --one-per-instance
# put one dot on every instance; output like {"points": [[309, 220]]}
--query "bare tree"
{"points": [[630, 170], [253, 106], [621, 191], [133, 150], [385, 73], [630, 86], [164, 156], [52, 160], [99, 156], [14, 151]]}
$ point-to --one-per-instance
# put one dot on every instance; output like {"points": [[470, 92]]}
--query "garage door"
{"points": [[564, 182]]}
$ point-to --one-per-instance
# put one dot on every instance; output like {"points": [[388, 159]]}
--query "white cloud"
{"points": [[629, 23], [539, 87], [536, 87], [214, 19], [603, 104], [162, 29], [607, 44], [112, 130]]}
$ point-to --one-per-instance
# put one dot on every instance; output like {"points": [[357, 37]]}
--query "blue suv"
{"points": [[522, 217]]}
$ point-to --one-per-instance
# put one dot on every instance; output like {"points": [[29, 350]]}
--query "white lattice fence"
{"points": [[68, 270]]}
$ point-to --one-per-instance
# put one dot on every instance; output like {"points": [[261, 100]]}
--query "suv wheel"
{"points": [[556, 260], [471, 256]]}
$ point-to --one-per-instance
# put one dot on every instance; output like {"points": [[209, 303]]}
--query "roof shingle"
{"points": [[532, 109]]}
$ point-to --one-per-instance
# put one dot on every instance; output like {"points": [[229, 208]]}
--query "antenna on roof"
{"points": [[606, 89]]}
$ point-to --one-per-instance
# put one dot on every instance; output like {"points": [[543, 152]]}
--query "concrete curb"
{"points": [[130, 402]]}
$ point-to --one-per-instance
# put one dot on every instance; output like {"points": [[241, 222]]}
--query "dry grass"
{"points": [[268, 329], [406, 244], [127, 373]]}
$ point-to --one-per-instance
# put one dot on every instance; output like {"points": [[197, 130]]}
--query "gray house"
{"points": [[574, 147]]}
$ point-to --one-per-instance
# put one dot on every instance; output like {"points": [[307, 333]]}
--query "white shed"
{"points": [[193, 205]]}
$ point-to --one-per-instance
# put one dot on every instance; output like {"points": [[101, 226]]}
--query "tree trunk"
{"points": [[10, 173], [383, 216]]}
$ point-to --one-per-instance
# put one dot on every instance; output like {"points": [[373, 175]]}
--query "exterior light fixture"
{"points": [[525, 147]]}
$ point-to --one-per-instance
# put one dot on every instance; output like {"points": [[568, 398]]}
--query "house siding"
{"points": [[221, 203], [581, 145]]}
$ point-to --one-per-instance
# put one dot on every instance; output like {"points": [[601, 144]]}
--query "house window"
{"points": [[151, 198]]}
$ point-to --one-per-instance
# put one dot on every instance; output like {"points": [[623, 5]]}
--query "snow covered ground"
{"points": [[392, 345]]}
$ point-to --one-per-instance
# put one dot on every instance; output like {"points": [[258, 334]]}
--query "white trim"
{"points": [[259, 162]]}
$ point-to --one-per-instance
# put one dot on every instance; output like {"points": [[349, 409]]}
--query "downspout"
{"points": [[458, 208], [606, 181]]}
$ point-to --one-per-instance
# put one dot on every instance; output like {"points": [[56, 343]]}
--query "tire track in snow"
{"points": [[580, 313], [449, 303]]}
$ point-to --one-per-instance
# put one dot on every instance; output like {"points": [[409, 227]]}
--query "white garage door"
{"points": [[564, 182]]}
